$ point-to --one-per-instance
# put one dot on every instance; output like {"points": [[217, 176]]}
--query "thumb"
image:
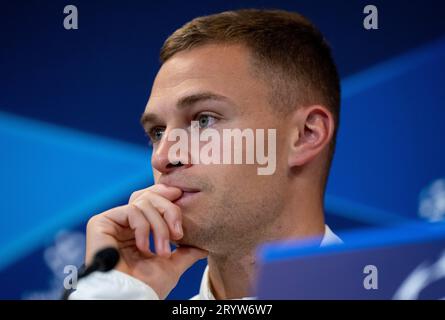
{"points": [[184, 257]]}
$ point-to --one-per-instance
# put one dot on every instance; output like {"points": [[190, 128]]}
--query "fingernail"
{"points": [[178, 228]]}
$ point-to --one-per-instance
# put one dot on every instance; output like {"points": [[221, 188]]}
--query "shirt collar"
{"points": [[205, 292]]}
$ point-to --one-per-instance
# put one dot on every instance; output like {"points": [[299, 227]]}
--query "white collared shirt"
{"points": [[121, 286]]}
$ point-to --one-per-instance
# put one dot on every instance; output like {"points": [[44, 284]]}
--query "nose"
{"points": [[166, 157]]}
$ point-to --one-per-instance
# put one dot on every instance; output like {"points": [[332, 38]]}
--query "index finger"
{"points": [[170, 193]]}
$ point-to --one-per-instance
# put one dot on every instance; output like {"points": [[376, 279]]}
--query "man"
{"points": [[246, 69]]}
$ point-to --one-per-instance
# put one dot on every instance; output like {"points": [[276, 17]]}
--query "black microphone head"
{"points": [[106, 259]]}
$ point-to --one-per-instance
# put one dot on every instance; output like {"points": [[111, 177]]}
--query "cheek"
{"points": [[235, 178]]}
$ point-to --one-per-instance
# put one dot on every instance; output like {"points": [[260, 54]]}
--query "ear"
{"points": [[313, 129]]}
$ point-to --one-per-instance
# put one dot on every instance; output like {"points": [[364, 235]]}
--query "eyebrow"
{"points": [[184, 102], [192, 99]]}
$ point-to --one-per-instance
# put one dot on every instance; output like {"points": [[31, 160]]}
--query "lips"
{"points": [[186, 189], [182, 184], [188, 193], [186, 198]]}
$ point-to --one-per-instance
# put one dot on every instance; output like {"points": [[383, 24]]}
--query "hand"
{"points": [[127, 229]]}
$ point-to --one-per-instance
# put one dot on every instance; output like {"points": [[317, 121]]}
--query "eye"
{"points": [[155, 134], [205, 120]]}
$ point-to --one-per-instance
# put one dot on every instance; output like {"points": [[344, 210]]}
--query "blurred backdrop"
{"points": [[71, 145]]}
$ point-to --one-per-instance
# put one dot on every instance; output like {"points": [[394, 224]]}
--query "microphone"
{"points": [[104, 261]]}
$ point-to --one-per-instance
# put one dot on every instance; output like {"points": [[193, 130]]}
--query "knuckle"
{"points": [[137, 194], [97, 224], [133, 196], [93, 221], [135, 208]]}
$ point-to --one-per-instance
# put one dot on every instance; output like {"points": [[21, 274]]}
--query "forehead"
{"points": [[222, 69]]}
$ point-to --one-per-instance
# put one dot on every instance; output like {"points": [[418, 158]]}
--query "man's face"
{"points": [[233, 203]]}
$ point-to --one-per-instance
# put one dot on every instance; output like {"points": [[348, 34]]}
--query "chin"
{"points": [[189, 241]]}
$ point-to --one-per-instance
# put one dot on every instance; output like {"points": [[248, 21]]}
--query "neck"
{"points": [[232, 274]]}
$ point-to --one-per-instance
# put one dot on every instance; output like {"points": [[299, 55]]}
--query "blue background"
{"points": [[70, 101]]}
